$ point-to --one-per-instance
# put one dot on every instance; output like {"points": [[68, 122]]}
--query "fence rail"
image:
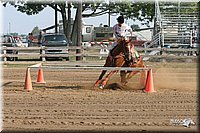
{"points": [[39, 52]]}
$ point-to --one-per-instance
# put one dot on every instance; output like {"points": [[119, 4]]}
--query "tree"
{"points": [[140, 11], [35, 31]]}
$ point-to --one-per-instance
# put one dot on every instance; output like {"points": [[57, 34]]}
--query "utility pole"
{"points": [[79, 30], [9, 28], [109, 13]]}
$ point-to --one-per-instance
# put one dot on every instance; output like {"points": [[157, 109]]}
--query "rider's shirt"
{"points": [[120, 30]]}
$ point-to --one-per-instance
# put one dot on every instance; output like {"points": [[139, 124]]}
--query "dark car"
{"points": [[9, 41], [55, 44]]}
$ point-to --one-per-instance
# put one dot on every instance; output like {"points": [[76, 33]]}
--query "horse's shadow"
{"points": [[117, 86], [114, 86], [65, 87]]}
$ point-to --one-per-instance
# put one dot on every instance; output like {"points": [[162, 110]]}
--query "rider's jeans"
{"points": [[114, 44]]}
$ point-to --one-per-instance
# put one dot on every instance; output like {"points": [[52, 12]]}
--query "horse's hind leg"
{"points": [[100, 78], [131, 74], [123, 77], [142, 77]]}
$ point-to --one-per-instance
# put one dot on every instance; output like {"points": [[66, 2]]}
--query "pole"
{"points": [[79, 29], [56, 19], [109, 13], [9, 28]]}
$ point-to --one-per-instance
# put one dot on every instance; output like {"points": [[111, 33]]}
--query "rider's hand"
{"points": [[119, 35]]}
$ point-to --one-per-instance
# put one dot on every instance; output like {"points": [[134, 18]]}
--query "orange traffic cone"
{"points": [[149, 84], [28, 83], [40, 78]]}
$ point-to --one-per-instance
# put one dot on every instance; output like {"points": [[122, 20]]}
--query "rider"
{"points": [[120, 30]]}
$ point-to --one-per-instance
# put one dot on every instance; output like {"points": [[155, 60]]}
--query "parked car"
{"points": [[9, 41], [55, 44]]}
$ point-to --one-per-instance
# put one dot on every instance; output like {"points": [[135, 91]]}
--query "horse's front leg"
{"points": [[107, 64], [106, 79], [100, 78]]}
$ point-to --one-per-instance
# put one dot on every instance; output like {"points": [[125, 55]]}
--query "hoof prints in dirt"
{"points": [[92, 109], [69, 103]]}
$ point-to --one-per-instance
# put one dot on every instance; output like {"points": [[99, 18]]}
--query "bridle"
{"points": [[127, 55]]}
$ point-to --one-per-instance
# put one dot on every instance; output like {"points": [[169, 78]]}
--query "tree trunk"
{"points": [[79, 29], [68, 34], [64, 18], [74, 31]]}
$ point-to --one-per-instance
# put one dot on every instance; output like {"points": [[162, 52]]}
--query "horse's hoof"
{"points": [[101, 87]]}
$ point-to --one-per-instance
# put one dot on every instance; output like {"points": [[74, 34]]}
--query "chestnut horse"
{"points": [[123, 55], [126, 75]]}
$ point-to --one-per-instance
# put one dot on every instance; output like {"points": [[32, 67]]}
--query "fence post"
{"points": [[84, 52], [43, 53], [79, 31], [4, 52]]}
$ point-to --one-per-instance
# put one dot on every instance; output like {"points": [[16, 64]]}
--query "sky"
{"points": [[15, 21]]}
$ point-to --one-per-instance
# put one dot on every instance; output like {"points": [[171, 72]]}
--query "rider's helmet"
{"points": [[120, 19]]}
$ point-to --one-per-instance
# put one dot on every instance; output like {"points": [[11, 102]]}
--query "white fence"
{"points": [[94, 51]]}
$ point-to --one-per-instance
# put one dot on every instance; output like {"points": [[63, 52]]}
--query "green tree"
{"points": [[141, 11], [35, 31]]}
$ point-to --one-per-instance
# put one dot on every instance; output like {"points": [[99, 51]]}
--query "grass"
{"points": [[15, 65]]}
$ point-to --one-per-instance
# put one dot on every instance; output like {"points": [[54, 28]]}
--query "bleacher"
{"points": [[177, 22]]}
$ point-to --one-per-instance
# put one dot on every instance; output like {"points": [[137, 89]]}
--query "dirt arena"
{"points": [[68, 101]]}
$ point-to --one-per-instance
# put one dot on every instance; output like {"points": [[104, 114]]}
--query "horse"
{"points": [[127, 75], [123, 55]]}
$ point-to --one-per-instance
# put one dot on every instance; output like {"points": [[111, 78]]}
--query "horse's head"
{"points": [[126, 46]]}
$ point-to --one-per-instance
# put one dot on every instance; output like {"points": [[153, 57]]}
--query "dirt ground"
{"points": [[69, 102]]}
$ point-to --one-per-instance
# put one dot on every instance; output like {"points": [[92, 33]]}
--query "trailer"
{"points": [[97, 34]]}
